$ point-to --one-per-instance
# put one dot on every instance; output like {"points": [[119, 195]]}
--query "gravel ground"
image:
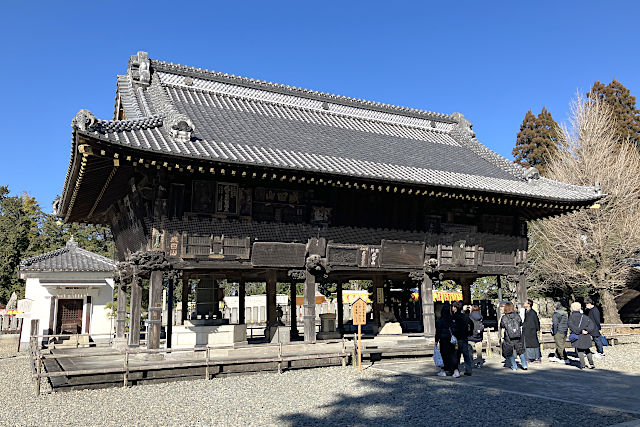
{"points": [[303, 397], [8, 346]]}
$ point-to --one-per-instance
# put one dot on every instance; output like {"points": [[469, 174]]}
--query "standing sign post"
{"points": [[359, 310]]}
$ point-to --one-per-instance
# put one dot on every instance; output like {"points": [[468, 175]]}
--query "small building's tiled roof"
{"points": [[238, 120], [69, 258]]}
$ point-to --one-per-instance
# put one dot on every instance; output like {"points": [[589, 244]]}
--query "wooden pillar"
{"points": [[499, 285], [378, 303], [155, 310], [466, 290], [135, 306], [272, 314], [293, 310], [340, 314], [309, 308], [216, 299], [169, 311], [521, 289], [241, 300], [428, 313], [186, 287], [121, 313]]}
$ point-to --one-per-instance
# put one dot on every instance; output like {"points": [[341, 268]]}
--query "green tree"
{"points": [[16, 231], [537, 140], [26, 231], [623, 106]]}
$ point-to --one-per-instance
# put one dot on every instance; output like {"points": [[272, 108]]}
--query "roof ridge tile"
{"points": [[293, 90]]}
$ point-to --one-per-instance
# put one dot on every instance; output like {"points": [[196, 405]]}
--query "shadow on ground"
{"points": [[408, 393]]}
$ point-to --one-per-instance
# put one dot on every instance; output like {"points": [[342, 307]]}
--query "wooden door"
{"points": [[69, 319]]}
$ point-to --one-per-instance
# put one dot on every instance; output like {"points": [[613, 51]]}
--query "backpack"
{"points": [[512, 327], [478, 328]]}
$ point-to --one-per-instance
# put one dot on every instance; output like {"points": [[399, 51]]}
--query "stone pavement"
{"points": [[553, 381]]}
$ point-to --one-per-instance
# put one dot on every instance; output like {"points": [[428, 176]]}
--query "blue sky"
{"points": [[492, 61]]}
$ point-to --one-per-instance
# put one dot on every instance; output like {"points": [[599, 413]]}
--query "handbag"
{"points": [[574, 337], [437, 357], [454, 340]]}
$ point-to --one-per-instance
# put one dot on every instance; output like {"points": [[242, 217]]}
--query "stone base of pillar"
{"points": [[119, 344]]}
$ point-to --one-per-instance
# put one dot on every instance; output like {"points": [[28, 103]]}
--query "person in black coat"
{"points": [[530, 329], [448, 351], [594, 316], [475, 340], [512, 341], [462, 329], [581, 328]]}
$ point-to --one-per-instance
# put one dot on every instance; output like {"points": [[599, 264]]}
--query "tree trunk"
{"points": [[609, 307]]}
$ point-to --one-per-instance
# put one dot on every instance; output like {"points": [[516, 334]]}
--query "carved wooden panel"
{"points": [[236, 247], [203, 196], [498, 258], [399, 253], [266, 254], [342, 255], [497, 224], [198, 245]]}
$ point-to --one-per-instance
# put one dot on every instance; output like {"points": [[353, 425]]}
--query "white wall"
{"points": [[42, 286]]}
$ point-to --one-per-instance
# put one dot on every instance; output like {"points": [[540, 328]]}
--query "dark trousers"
{"points": [[560, 341], [598, 341], [581, 354], [465, 349], [449, 353]]}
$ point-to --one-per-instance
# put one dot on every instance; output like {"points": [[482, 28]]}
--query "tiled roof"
{"points": [[201, 114], [69, 258]]}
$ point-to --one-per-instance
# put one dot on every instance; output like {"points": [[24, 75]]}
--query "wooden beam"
{"points": [[135, 306], [242, 294], [272, 316], [293, 311], [428, 313], [121, 313], [340, 311], [310, 308], [155, 310]]}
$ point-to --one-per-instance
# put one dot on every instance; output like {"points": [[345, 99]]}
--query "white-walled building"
{"points": [[67, 290]]}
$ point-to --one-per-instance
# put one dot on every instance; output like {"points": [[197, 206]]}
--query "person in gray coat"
{"points": [[581, 328], [559, 329]]}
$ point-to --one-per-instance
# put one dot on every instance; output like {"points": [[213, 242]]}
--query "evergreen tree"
{"points": [[26, 231], [537, 140], [16, 230], [624, 109]]}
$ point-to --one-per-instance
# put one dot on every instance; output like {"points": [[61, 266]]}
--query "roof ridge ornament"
{"points": [[84, 120], [463, 123], [140, 68], [180, 126], [531, 174], [71, 243]]}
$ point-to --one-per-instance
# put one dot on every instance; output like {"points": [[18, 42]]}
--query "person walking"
{"points": [[443, 336], [530, 329], [513, 341], [559, 328], [462, 329], [594, 316], [476, 338], [581, 328]]}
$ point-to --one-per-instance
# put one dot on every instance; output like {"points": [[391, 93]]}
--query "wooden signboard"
{"points": [[359, 310], [359, 315]]}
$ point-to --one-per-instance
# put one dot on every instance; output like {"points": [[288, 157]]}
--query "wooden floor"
{"points": [[106, 366]]}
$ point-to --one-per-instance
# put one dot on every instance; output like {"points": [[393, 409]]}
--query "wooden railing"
{"points": [[125, 369]]}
